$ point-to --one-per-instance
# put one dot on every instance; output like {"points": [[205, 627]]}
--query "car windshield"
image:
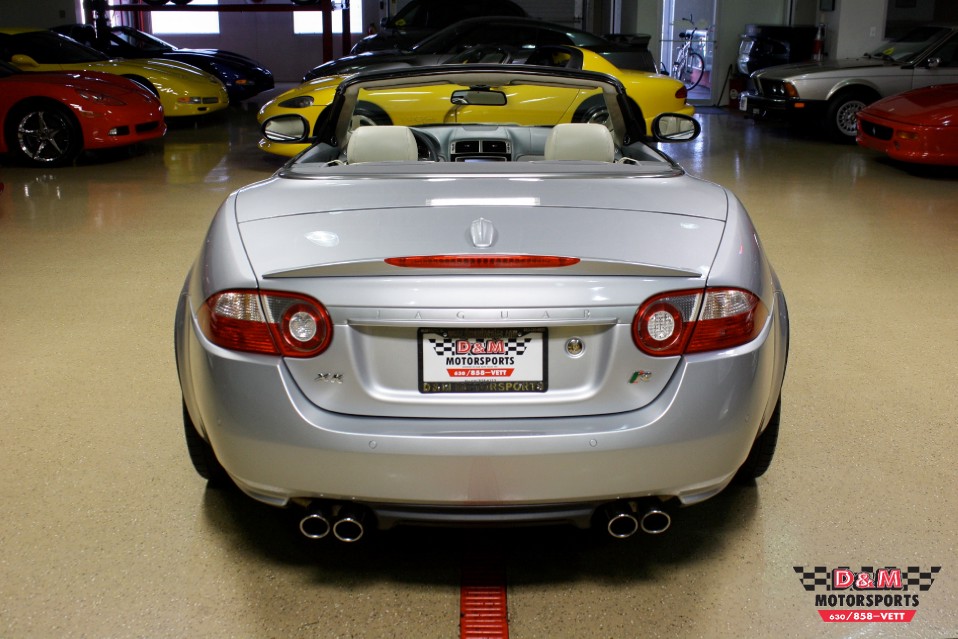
{"points": [[463, 35], [909, 46], [47, 47], [140, 40]]}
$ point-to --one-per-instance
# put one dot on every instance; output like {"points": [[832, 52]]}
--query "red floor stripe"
{"points": [[483, 612]]}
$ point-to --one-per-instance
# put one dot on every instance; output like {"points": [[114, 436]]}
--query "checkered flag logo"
{"points": [[915, 576], [812, 579], [912, 577], [447, 346]]}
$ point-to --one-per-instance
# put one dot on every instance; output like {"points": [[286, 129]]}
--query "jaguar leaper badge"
{"points": [[483, 233]]}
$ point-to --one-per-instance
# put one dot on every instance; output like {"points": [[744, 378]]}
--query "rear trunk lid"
{"points": [[527, 341]]}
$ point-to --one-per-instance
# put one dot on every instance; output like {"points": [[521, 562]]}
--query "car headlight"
{"points": [[99, 98], [299, 102]]}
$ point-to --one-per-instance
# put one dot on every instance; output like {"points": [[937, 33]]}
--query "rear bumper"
{"points": [[278, 446]]}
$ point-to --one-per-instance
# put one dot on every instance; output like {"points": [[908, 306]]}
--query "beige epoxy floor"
{"points": [[106, 531]]}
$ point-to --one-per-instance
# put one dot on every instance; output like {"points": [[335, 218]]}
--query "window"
{"points": [[187, 21], [312, 21]]}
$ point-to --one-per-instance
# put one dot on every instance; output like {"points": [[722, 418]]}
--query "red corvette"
{"points": [[916, 126], [48, 119]]}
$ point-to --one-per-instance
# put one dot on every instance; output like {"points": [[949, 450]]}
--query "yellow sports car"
{"points": [[182, 89], [650, 94]]}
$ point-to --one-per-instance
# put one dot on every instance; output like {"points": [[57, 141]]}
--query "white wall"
{"points": [[856, 26]]}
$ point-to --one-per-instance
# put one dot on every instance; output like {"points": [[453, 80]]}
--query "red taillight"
{"points": [[268, 322], [697, 321], [682, 93], [482, 261]]}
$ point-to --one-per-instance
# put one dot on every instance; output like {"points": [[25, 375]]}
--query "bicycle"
{"points": [[689, 65]]}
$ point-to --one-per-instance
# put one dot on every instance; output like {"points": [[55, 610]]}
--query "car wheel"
{"points": [[760, 457], [202, 455], [155, 3], [181, 2], [592, 111], [44, 134], [367, 113], [842, 123]]}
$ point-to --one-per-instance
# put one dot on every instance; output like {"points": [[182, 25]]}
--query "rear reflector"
{"points": [[482, 261]]}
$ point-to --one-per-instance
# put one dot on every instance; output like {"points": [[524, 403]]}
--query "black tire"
{"points": [[592, 110], [202, 455], [44, 134], [841, 122], [155, 3], [370, 114], [763, 450], [181, 2], [304, 2]]}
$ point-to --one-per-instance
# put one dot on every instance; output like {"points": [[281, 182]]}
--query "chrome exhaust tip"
{"points": [[622, 524], [655, 521], [349, 526], [315, 525]]}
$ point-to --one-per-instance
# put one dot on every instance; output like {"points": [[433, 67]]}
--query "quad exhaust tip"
{"points": [[624, 520], [347, 525]]}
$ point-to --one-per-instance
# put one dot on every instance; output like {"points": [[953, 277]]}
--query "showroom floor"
{"points": [[107, 532]]}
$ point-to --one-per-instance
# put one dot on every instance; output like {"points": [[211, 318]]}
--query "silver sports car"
{"points": [[481, 314]]}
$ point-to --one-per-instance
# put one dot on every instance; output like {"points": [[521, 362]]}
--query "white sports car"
{"points": [[473, 321]]}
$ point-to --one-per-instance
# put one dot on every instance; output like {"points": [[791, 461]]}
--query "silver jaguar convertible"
{"points": [[482, 314]]}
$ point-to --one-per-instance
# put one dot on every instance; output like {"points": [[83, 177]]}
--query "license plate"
{"points": [[743, 103], [486, 360]]}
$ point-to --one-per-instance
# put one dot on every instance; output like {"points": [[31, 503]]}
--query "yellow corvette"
{"points": [[182, 89], [651, 95]]}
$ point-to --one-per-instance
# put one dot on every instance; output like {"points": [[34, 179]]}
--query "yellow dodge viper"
{"points": [[182, 89], [652, 95]]}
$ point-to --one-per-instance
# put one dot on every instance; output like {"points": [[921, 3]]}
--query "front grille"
{"points": [[876, 130], [147, 126], [771, 88]]}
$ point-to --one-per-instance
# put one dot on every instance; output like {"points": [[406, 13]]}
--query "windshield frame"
{"points": [[335, 123], [911, 47]]}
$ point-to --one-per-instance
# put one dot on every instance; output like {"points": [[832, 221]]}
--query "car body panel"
{"points": [[356, 424], [183, 90], [918, 126], [242, 76], [137, 117]]}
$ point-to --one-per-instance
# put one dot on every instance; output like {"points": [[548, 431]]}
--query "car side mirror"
{"points": [[675, 127], [292, 129], [24, 61]]}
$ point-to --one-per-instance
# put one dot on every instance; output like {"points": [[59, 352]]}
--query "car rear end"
{"points": [[361, 354]]}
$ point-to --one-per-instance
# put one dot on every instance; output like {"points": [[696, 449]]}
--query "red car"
{"points": [[916, 126], [48, 119]]}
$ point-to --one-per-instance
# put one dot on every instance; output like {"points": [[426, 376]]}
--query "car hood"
{"points": [[931, 106], [838, 67], [170, 68], [219, 54], [653, 226], [90, 80]]}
